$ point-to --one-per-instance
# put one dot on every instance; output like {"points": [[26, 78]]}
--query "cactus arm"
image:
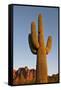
{"points": [[33, 50], [49, 45], [34, 35]]}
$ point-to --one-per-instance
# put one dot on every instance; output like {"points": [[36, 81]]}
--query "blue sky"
{"points": [[22, 18]]}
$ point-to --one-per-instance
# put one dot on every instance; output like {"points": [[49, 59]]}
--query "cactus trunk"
{"points": [[41, 67]]}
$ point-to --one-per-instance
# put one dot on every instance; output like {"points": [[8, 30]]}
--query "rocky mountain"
{"points": [[53, 79], [24, 75]]}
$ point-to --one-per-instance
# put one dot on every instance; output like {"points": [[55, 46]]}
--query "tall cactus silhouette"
{"points": [[37, 46]]}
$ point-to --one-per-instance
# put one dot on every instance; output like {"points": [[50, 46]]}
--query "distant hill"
{"points": [[24, 75], [53, 79]]}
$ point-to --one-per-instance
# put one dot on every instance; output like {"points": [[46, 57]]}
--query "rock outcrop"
{"points": [[24, 75]]}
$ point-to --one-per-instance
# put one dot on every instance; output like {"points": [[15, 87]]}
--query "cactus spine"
{"points": [[37, 46]]}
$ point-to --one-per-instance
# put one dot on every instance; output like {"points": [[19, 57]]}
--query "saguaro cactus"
{"points": [[37, 46]]}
